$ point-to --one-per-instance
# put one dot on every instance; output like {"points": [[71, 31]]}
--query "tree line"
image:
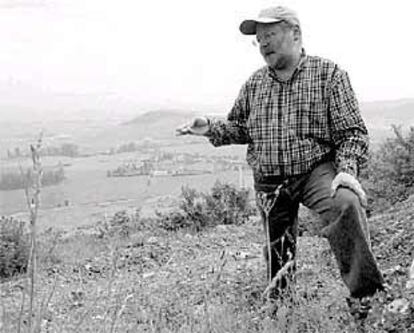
{"points": [[20, 179], [65, 149]]}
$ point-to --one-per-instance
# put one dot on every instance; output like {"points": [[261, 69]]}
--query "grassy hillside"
{"points": [[132, 275], [129, 273]]}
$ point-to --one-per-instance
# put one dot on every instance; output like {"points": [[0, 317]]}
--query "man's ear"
{"points": [[297, 33]]}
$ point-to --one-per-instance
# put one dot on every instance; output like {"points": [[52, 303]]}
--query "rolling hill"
{"points": [[160, 124], [157, 125]]}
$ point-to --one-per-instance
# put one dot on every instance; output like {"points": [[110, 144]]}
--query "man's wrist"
{"points": [[350, 168]]}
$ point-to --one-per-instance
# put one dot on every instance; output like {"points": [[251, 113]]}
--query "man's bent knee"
{"points": [[346, 199]]}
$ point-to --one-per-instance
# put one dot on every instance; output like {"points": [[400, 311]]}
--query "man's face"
{"points": [[277, 44]]}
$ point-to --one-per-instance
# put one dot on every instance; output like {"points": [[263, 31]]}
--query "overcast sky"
{"points": [[190, 53]]}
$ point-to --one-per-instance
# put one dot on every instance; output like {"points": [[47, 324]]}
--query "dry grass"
{"points": [[151, 280], [155, 281]]}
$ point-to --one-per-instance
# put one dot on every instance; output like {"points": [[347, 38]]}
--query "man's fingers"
{"points": [[199, 126]]}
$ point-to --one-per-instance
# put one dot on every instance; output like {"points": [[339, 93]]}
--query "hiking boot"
{"points": [[359, 308]]}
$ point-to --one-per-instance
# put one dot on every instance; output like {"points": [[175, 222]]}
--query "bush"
{"points": [[121, 224], [228, 205], [173, 221], [224, 205], [389, 177], [14, 247]]}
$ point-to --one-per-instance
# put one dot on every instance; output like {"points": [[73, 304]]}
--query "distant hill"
{"points": [[160, 118], [156, 125], [161, 124], [385, 112]]}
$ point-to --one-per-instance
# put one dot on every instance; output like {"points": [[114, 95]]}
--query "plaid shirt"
{"points": [[291, 126]]}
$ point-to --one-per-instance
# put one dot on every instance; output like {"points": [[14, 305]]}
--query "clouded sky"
{"points": [[190, 53]]}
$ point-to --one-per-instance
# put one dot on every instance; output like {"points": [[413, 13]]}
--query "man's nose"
{"points": [[261, 44], [263, 47]]}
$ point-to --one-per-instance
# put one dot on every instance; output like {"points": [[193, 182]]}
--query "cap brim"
{"points": [[248, 27]]}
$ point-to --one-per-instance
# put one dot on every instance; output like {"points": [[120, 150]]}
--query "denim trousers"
{"points": [[344, 224]]}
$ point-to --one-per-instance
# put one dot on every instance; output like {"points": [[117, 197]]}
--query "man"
{"points": [[306, 144]]}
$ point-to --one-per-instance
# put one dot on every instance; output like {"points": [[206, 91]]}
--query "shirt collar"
{"points": [[301, 64]]}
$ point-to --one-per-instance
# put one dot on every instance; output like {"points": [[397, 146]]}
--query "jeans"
{"points": [[344, 224]]}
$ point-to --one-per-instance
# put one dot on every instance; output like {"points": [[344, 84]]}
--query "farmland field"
{"points": [[87, 194]]}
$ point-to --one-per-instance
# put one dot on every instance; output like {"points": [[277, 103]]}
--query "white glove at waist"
{"points": [[346, 180]]}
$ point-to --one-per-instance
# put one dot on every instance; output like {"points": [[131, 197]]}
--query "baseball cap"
{"points": [[269, 15]]}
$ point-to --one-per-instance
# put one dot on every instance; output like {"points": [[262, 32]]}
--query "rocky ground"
{"points": [[142, 278]]}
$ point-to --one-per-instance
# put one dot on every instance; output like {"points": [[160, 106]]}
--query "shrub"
{"points": [[172, 221], [229, 205], [14, 247], [389, 177], [120, 224], [224, 205]]}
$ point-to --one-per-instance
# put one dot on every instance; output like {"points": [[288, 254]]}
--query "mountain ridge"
{"points": [[378, 115]]}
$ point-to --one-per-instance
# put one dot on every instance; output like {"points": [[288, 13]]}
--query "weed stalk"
{"points": [[33, 203]]}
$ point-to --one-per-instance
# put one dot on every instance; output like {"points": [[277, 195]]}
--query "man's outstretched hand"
{"points": [[198, 126], [346, 180]]}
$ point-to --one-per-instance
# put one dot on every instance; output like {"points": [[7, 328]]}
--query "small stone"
{"points": [[400, 305], [152, 240], [222, 227], [393, 270], [241, 255]]}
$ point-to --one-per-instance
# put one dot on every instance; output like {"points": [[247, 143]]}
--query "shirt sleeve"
{"points": [[234, 129], [348, 130]]}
